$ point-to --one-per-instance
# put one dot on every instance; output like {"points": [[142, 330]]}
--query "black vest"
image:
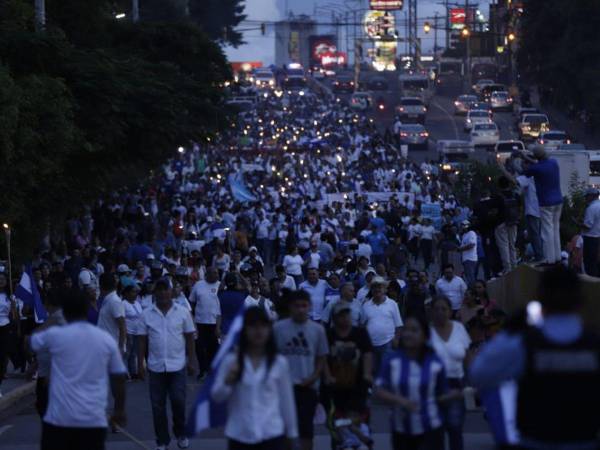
{"points": [[559, 394]]}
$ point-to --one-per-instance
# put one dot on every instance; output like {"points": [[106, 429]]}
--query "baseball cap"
{"points": [[252, 249], [123, 268], [379, 280]]}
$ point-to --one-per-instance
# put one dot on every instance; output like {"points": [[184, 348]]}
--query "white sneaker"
{"points": [[183, 442]]}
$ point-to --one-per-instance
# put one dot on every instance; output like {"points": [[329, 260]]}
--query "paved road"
{"points": [[22, 431]]}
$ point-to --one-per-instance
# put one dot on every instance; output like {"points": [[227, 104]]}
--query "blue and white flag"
{"points": [[239, 191], [206, 412], [501, 411], [27, 292]]}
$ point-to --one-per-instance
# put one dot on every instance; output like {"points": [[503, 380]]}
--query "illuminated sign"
{"points": [[458, 18], [386, 5], [385, 56], [319, 46], [379, 24], [333, 59]]}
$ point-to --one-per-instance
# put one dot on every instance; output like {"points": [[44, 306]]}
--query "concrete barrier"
{"points": [[515, 289]]}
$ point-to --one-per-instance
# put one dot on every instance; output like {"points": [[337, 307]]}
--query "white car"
{"points": [[485, 134], [264, 79], [501, 100], [476, 116], [477, 87], [551, 140]]}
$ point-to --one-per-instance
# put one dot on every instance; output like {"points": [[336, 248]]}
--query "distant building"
{"points": [[292, 40]]}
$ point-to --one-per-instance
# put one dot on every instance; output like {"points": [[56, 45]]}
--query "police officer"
{"points": [[556, 366]]}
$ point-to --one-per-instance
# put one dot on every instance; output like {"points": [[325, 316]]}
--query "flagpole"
{"points": [[7, 233]]}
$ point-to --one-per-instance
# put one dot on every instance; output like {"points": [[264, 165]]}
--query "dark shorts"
{"points": [[67, 438], [306, 405], [277, 443]]}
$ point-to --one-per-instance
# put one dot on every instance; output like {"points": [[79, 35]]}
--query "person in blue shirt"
{"points": [[413, 381], [556, 366], [378, 242], [546, 175]]}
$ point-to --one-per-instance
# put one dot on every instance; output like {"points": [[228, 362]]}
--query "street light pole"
{"points": [[9, 255], [135, 11], [40, 15]]}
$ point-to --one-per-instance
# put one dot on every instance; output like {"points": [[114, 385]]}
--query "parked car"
{"points": [[481, 106], [414, 135], [484, 134], [520, 112], [477, 87], [361, 101], [487, 91], [343, 84], [463, 103]]}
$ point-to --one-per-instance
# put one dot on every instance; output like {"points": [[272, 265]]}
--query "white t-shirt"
{"points": [[414, 231], [293, 264], [289, 283], [452, 352], [82, 356], [133, 312], [267, 305], [427, 232], [467, 239], [454, 290], [381, 320], [208, 307], [314, 260], [112, 308]]}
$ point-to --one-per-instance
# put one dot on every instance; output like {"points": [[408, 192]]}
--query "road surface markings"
{"points": [[450, 116], [5, 428]]}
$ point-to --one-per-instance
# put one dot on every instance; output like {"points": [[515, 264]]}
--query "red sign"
{"points": [[386, 5], [329, 59], [245, 66], [458, 16]]}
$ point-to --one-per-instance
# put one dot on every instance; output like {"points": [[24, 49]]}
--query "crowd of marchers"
{"points": [[351, 287]]}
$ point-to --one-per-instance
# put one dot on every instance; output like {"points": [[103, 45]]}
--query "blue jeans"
{"points": [[534, 231], [378, 353], [172, 384], [131, 351], [470, 268], [454, 417]]}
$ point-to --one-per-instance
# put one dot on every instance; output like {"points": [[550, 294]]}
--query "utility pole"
{"points": [[468, 45], [435, 33], [135, 11], [412, 30], [447, 24], [40, 15]]}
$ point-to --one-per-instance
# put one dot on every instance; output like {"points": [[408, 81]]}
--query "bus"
{"points": [[416, 85]]}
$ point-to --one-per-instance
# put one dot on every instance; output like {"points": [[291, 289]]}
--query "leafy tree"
{"points": [[218, 18]]}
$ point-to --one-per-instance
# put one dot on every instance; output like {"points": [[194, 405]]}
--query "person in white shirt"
{"points": [[133, 313], [254, 298], [468, 249], [83, 358], [381, 317], [286, 281], [426, 243], [207, 317], [111, 317], [167, 332], [451, 286], [347, 297], [313, 257], [316, 289], [256, 383], [451, 342], [293, 265]]}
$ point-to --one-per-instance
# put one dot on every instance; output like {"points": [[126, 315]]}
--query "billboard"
{"points": [[384, 57], [379, 24], [458, 17], [294, 46], [386, 5], [245, 66], [320, 45]]}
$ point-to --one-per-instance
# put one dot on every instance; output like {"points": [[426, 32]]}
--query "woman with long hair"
{"points": [[413, 381], [256, 383]]}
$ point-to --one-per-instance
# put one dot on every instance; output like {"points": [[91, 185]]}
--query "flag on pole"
{"points": [[239, 190], [206, 413], [27, 292]]}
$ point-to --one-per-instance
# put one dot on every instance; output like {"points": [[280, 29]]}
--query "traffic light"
{"points": [[426, 27], [511, 36], [263, 28], [465, 32]]}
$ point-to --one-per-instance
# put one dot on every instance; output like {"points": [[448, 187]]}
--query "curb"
{"points": [[13, 397]]}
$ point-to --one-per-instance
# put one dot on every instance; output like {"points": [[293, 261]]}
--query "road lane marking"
{"points": [[5, 428], [450, 116]]}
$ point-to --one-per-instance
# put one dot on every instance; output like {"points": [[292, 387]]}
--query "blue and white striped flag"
{"points": [[501, 411], [27, 292], [207, 413]]}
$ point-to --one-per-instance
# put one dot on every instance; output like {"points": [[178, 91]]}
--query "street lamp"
{"points": [[465, 32], [511, 36], [426, 27]]}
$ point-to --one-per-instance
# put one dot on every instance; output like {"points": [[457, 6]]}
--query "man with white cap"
{"points": [[546, 174], [381, 317], [591, 233]]}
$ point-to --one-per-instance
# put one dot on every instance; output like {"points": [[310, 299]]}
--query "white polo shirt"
{"points": [[205, 296], [82, 357], [166, 340], [381, 320], [454, 289], [469, 238]]}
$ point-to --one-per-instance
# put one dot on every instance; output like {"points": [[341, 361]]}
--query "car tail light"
{"points": [[381, 106], [403, 134], [424, 109], [424, 134], [542, 141], [456, 103], [401, 109], [352, 83]]}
